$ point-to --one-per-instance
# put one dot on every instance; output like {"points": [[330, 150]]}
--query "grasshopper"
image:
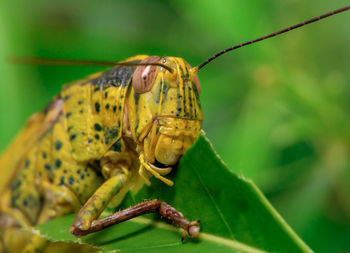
{"points": [[99, 138]]}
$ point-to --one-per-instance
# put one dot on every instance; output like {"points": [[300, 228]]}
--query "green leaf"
{"points": [[234, 214]]}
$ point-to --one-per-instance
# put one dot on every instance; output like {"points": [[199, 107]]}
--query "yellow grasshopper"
{"points": [[99, 138]]}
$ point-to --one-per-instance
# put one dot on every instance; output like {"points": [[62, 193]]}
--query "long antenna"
{"points": [[272, 35], [46, 61]]}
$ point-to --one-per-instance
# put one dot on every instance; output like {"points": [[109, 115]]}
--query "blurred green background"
{"points": [[277, 112]]}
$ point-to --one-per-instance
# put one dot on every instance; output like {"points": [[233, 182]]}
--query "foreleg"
{"points": [[151, 206]]}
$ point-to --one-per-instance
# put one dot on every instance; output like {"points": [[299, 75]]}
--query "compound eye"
{"points": [[143, 76], [197, 83]]}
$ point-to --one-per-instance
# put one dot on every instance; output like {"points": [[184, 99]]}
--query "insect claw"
{"points": [[76, 231], [184, 233]]}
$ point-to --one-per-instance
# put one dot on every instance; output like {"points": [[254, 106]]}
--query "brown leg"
{"points": [[151, 206]]}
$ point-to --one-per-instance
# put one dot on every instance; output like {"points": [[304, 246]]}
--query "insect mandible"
{"points": [[100, 137]]}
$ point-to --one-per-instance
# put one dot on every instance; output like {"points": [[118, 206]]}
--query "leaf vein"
{"points": [[212, 199]]}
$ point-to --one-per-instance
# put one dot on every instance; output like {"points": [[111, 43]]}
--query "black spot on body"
{"points": [[106, 94], [66, 97], [70, 180], [111, 134], [72, 137], [47, 167], [166, 88], [80, 102], [69, 128], [114, 108], [97, 107], [16, 184], [107, 106], [25, 202], [137, 126], [14, 199], [27, 163], [89, 141], [58, 163], [58, 145], [97, 137], [61, 180], [157, 95], [97, 127], [117, 146], [68, 114], [44, 155]]}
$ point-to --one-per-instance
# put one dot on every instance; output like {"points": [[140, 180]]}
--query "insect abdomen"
{"points": [[46, 174]]}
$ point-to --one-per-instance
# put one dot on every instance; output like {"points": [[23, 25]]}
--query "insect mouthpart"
{"points": [[160, 165]]}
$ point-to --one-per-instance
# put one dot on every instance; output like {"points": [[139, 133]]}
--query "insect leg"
{"points": [[15, 234], [151, 206], [97, 202], [59, 201]]}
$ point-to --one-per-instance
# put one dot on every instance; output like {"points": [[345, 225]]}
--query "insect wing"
{"points": [[94, 111]]}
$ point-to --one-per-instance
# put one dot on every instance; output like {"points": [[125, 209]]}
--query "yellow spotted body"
{"points": [[98, 139]]}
